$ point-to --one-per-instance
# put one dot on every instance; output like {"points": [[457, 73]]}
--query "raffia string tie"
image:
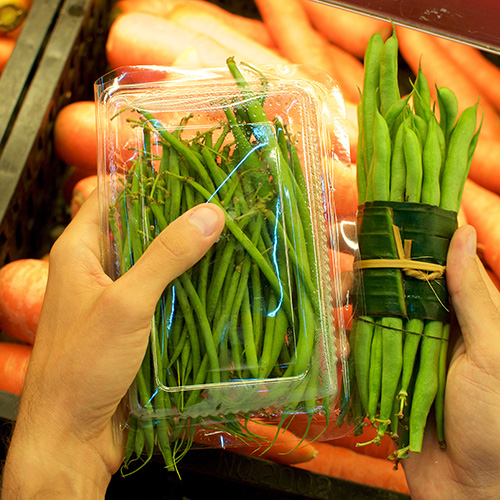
{"points": [[425, 271]]}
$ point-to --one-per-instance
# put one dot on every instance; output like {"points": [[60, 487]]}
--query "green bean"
{"points": [[276, 327], [249, 247], [361, 169], [422, 97], [238, 300], [370, 97], [297, 262], [431, 161], [363, 328], [203, 322], [248, 332], [131, 437], [139, 440], [180, 147], [413, 332], [441, 387], [257, 305], [413, 161], [162, 438], [394, 424], [296, 168], [419, 126], [448, 111], [396, 114], [381, 167], [298, 215], [426, 382], [220, 272], [389, 88], [392, 362], [203, 275], [375, 372], [190, 330], [456, 164], [398, 168]]}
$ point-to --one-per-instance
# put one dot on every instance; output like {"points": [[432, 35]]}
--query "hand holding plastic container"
{"points": [[246, 334]]}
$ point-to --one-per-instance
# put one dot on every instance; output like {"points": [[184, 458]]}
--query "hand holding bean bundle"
{"points": [[468, 468], [411, 172]]}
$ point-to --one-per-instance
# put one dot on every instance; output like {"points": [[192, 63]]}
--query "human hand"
{"points": [[90, 342], [469, 466]]}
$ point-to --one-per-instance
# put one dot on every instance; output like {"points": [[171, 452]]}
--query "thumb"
{"points": [[474, 301], [175, 250]]}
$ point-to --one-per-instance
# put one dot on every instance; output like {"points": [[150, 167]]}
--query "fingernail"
{"points": [[205, 219], [471, 243]]}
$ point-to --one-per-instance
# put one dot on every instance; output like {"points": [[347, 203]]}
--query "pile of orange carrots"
{"points": [[198, 33]]}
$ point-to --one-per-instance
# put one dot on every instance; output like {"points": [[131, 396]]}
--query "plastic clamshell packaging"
{"points": [[248, 331]]}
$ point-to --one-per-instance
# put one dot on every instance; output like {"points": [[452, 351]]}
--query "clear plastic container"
{"points": [[248, 332]]}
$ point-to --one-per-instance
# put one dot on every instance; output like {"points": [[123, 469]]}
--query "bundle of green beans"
{"points": [[249, 315], [411, 168]]}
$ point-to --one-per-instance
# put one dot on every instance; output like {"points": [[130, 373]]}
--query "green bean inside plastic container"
{"points": [[247, 333]]}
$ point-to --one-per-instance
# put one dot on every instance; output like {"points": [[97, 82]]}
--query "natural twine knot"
{"points": [[424, 271]]}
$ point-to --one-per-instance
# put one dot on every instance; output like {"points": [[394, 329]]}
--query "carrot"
{"points": [[485, 166], [348, 71], [481, 208], [82, 190], [160, 8], [482, 72], [269, 442], [138, 38], [294, 35], [340, 262], [189, 16], [14, 360], [12, 14], [344, 463], [354, 442], [418, 48], [188, 58], [349, 30], [22, 290], [6, 48], [344, 194], [75, 136], [351, 127], [342, 318], [252, 28]]}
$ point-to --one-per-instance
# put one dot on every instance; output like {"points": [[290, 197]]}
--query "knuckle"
{"points": [[175, 248]]}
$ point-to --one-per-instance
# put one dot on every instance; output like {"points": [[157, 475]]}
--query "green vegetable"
{"points": [[413, 169], [247, 315]]}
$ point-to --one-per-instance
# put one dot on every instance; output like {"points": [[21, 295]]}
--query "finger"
{"points": [[82, 233], [492, 289], [174, 251], [476, 311]]}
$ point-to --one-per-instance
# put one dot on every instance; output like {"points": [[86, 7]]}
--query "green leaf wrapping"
{"points": [[389, 291]]}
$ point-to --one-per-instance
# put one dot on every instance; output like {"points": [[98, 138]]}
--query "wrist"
{"points": [[58, 466]]}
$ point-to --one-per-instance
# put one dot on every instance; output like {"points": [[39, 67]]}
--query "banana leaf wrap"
{"points": [[392, 291]]}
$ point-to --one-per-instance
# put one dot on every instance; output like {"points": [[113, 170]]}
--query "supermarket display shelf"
{"points": [[475, 23], [23, 62]]}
